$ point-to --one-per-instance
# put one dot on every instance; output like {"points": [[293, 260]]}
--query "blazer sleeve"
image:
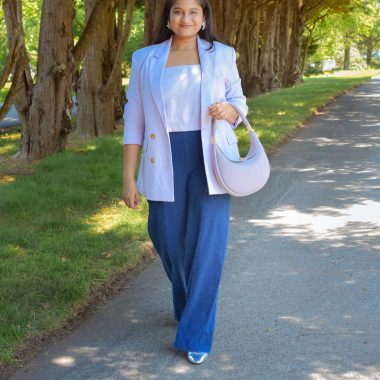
{"points": [[134, 124], [234, 91]]}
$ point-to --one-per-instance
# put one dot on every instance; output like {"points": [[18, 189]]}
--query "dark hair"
{"points": [[163, 33]]}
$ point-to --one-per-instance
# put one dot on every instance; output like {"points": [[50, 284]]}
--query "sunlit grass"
{"points": [[9, 141], [63, 230], [7, 178]]}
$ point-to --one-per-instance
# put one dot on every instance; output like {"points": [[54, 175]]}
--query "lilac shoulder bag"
{"points": [[238, 176]]}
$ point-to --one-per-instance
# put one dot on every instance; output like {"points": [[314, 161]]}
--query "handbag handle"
{"points": [[244, 119], [255, 142]]}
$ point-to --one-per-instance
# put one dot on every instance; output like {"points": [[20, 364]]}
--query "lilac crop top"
{"points": [[181, 90]]}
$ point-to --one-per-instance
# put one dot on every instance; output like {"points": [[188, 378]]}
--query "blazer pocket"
{"points": [[232, 139], [145, 145]]}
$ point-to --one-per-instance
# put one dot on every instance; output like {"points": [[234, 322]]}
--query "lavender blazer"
{"points": [[145, 120]]}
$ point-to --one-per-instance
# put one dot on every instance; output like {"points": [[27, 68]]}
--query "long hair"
{"points": [[163, 33]]}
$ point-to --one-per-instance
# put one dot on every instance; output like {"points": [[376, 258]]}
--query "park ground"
{"points": [[65, 252]]}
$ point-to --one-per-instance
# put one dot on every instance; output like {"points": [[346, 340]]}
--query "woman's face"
{"points": [[186, 17]]}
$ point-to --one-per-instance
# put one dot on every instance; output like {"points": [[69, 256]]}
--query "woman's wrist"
{"points": [[233, 115], [128, 178]]}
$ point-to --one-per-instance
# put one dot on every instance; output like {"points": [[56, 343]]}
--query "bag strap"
{"points": [[244, 119], [255, 142]]}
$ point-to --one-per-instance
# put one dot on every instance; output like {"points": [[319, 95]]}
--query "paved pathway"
{"points": [[12, 119], [300, 296]]}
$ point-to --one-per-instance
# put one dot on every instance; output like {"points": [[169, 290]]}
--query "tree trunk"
{"points": [[48, 122], [306, 47], [266, 61], [153, 10], [96, 115], [227, 16], [294, 61], [44, 107], [22, 83], [284, 41], [267, 35], [100, 91], [347, 53], [247, 43], [260, 43], [369, 50]]}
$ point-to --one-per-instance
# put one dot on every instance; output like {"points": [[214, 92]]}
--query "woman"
{"points": [[177, 86]]}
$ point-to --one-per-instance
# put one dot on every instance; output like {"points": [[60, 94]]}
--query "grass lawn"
{"points": [[64, 229]]}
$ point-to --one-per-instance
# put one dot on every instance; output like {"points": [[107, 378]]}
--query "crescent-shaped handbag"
{"points": [[238, 176]]}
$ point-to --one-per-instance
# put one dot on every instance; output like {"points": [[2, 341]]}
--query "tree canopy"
{"points": [[85, 48]]}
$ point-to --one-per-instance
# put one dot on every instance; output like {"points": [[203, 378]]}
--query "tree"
{"points": [[314, 17], [44, 105], [45, 124], [267, 35], [153, 10], [100, 92], [271, 37], [370, 34], [338, 33]]}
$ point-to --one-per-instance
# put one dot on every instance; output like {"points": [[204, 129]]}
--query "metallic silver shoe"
{"points": [[196, 357]]}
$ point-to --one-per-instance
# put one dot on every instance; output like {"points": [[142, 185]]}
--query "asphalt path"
{"points": [[300, 293], [12, 119]]}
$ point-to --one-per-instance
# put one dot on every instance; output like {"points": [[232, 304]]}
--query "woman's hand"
{"points": [[223, 111], [131, 194]]}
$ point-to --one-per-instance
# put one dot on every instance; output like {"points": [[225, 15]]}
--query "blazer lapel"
{"points": [[207, 59], [156, 69]]}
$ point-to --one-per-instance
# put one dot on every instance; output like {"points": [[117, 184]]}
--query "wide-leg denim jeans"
{"points": [[190, 236]]}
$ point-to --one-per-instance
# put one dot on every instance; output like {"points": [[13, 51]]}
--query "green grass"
{"points": [[62, 231], [64, 228], [9, 141]]}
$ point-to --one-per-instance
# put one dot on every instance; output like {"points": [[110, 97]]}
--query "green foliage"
{"points": [[3, 92], [326, 38], [355, 24], [136, 39], [336, 31], [79, 21], [371, 19], [31, 19], [3, 40]]}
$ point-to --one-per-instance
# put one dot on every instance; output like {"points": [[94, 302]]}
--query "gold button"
{"points": [[152, 136], [152, 160]]}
